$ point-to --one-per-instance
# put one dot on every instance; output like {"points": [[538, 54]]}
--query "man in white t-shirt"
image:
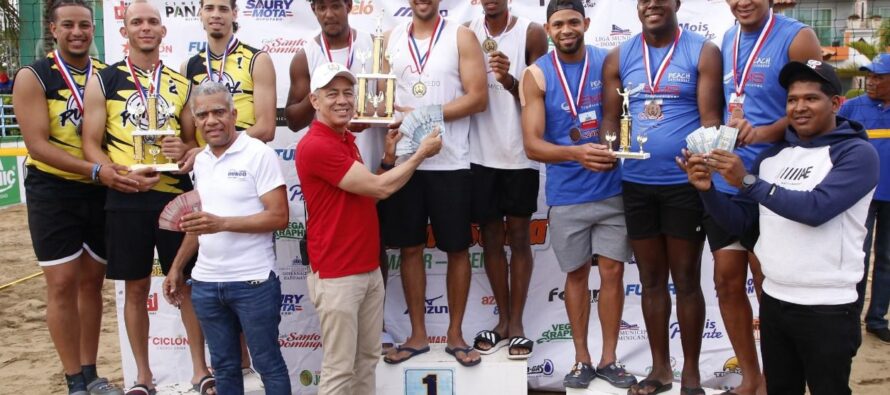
{"points": [[243, 201]]}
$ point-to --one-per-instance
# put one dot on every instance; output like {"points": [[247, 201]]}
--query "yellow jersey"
{"points": [[236, 75], [121, 98], [64, 115]]}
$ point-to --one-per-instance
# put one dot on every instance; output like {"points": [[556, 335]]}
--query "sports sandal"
{"points": [[101, 386], [520, 343], [141, 389], [412, 352], [493, 339], [657, 387], [205, 385], [466, 350], [615, 374]]}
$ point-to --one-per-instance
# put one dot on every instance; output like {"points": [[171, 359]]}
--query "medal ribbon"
{"points": [[653, 83], [739, 85], [230, 47], [488, 32], [573, 104], [154, 84], [75, 89], [421, 61], [326, 49]]}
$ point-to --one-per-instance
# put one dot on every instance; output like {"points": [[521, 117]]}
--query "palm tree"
{"points": [[9, 32]]}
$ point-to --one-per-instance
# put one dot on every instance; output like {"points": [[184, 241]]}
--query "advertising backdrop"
{"points": [[281, 28]]}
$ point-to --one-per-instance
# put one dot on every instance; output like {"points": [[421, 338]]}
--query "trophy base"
{"points": [[373, 120], [157, 166], [375, 76], [632, 154], [155, 132]]}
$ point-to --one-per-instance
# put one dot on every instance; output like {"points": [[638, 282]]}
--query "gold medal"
{"points": [[489, 45], [419, 89]]}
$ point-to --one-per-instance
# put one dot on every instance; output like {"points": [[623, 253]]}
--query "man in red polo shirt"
{"points": [[344, 240]]}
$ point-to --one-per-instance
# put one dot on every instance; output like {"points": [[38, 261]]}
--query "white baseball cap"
{"points": [[325, 73]]}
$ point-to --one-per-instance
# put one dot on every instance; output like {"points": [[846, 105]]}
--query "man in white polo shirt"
{"points": [[233, 286]]}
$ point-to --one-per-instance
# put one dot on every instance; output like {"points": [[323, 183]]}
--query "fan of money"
{"points": [[171, 216], [416, 125], [704, 140]]}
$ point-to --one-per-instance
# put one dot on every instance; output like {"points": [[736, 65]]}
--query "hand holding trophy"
{"points": [[151, 138]]}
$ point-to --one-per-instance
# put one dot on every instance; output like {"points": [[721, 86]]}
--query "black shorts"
{"points": [[719, 238], [440, 198], [132, 238], [500, 192], [62, 228], [672, 210]]}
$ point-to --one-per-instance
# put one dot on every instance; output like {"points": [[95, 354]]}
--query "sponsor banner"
{"points": [[12, 187], [284, 27]]}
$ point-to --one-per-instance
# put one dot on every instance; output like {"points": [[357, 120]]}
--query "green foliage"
{"points": [[11, 25], [864, 48], [853, 93]]}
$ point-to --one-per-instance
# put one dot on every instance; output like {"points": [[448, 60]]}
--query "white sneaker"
{"points": [[252, 379]]}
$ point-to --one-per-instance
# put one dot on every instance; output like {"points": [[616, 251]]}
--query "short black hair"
{"points": [[347, 2], [51, 13], [234, 5], [824, 86]]}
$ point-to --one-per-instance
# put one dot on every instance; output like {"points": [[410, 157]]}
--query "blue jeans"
{"points": [[878, 213], [224, 310]]}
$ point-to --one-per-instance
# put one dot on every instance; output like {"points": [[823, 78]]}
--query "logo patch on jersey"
{"points": [[234, 86], [130, 116], [71, 115]]}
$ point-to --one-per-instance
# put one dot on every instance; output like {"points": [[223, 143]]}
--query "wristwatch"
{"points": [[748, 180]]}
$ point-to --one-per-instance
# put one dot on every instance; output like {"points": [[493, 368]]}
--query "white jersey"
{"points": [[370, 142], [496, 133], [441, 76]]}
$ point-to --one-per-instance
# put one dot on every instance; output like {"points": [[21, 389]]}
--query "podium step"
{"points": [[251, 387], [437, 373], [602, 387]]}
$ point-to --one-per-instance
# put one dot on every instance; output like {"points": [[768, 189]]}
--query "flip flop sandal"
{"points": [[412, 352], [520, 343], [141, 389], [657, 387], [492, 338], [203, 386], [692, 391], [466, 350]]}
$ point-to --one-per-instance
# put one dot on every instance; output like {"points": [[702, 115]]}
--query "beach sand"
{"points": [[29, 364]]}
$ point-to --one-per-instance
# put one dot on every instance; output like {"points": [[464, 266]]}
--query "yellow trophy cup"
{"points": [[624, 134], [376, 87], [151, 138]]}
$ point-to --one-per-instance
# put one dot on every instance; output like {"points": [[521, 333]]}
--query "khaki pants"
{"points": [[351, 313]]}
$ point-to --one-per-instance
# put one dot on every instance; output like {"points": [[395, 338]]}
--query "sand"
{"points": [[29, 364]]}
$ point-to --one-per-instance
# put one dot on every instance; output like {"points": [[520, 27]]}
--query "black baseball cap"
{"points": [[821, 70], [559, 5]]}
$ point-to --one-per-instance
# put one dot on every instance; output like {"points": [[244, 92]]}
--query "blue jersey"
{"points": [[569, 182], [667, 115], [875, 117], [764, 97]]}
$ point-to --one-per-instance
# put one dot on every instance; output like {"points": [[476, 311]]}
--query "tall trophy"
{"points": [[624, 134], [375, 88], [149, 139]]}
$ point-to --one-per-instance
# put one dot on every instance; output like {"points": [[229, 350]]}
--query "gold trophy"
{"points": [[625, 132], [151, 138], [375, 87]]}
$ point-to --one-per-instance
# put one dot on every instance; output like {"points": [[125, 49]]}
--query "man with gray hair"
{"points": [[234, 288], [345, 283]]}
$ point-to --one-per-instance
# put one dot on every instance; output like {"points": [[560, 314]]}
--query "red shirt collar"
{"points": [[323, 130]]}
